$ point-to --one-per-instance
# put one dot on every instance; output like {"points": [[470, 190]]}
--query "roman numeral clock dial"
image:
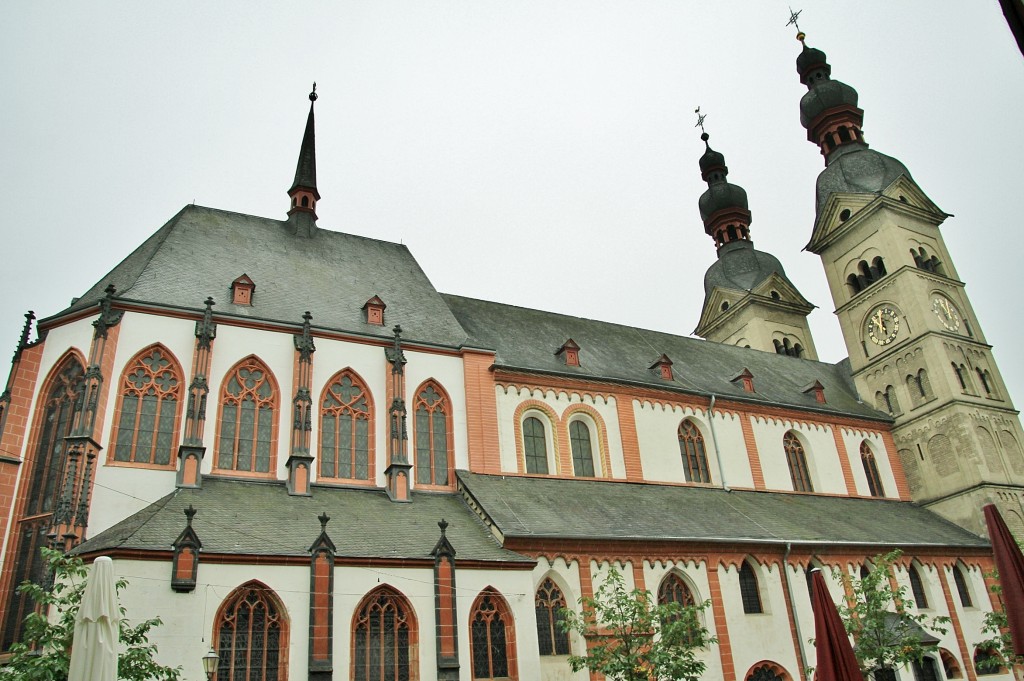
{"points": [[883, 326]]}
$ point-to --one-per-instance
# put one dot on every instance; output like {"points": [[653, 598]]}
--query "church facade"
{"points": [[306, 458]]}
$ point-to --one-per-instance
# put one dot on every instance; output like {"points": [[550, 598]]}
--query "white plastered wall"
{"points": [[657, 427], [448, 371], [819, 448], [567, 577], [852, 440], [696, 576]]}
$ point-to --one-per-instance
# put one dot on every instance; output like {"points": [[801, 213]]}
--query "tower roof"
{"points": [[305, 169]]}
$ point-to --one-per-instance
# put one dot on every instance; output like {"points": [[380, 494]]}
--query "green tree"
{"points": [[44, 652], [998, 644], [633, 638], [886, 634]]}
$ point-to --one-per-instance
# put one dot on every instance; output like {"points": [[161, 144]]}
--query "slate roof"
{"points": [[585, 509], [200, 251], [741, 266], [526, 339], [261, 518], [855, 168]]}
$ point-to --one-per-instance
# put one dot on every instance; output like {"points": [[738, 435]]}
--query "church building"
{"points": [[303, 456]]}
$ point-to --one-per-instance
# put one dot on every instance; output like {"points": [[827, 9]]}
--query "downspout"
{"points": [[714, 442], [792, 608]]}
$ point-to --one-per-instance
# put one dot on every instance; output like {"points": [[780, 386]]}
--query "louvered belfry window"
{"points": [[491, 629], [150, 394], [432, 456], [383, 637], [548, 603], [346, 418], [248, 403], [251, 635]]}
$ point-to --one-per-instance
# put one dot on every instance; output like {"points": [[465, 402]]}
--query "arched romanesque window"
{"points": [[148, 406], [691, 447], [917, 588], [535, 446], [384, 638], [750, 591], [492, 637], [548, 604], [582, 450], [949, 664], [433, 426], [797, 461], [987, 661], [246, 433], [251, 635], [867, 459], [892, 403], [346, 428], [767, 672]]}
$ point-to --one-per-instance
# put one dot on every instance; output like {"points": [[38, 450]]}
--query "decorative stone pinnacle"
{"points": [[443, 525], [312, 95], [306, 316], [190, 513], [110, 290], [323, 518], [209, 303]]}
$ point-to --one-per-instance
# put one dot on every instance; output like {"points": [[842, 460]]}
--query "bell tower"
{"points": [[916, 347]]}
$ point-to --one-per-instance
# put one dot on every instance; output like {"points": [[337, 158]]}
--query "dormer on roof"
{"points": [[570, 353], [746, 380], [817, 389], [663, 367], [373, 311], [242, 290]]}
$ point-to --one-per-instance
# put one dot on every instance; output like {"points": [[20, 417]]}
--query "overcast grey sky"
{"points": [[540, 153]]}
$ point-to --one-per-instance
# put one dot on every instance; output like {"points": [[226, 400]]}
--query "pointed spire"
{"points": [[303, 192]]}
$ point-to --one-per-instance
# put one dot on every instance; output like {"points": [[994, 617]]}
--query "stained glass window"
{"points": [[582, 452], [150, 390], [432, 456], [534, 445], [491, 634], [750, 594], [248, 404], [867, 458], [674, 590], [695, 458], [383, 638], [346, 421], [548, 604], [797, 463], [251, 635]]}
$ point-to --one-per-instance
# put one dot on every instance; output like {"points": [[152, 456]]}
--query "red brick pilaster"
{"points": [[481, 412], [902, 488], [721, 626], [752, 455], [958, 631], [630, 442], [844, 461]]}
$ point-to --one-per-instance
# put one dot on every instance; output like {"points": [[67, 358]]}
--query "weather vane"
{"points": [[793, 17], [700, 119]]}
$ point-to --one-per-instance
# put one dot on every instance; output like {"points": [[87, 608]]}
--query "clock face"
{"points": [[883, 326], [946, 312]]}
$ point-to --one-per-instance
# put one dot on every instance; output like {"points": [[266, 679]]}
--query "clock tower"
{"points": [[916, 348]]}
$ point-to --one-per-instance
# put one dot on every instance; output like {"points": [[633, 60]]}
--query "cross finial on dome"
{"points": [[793, 17], [700, 122]]}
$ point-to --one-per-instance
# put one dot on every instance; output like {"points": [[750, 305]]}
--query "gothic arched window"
{"points": [[917, 588], [674, 590], [535, 445], [384, 638], [582, 451], [691, 447], [246, 433], [750, 592], [548, 604], [433, 458], [251, 635], [346, 428], [961, 587], [797, 462], [867, 459], [492, 637], [149, 398]]}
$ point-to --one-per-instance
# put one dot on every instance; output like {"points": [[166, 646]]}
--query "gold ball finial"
{"points": [[800, 36]]}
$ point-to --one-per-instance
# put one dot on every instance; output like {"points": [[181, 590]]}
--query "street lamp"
{"points": [[210, 662]]}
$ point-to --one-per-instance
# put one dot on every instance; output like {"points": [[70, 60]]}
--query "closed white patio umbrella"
{"points": [[94, 649]]}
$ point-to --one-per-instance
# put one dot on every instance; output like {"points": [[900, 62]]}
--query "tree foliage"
{"points": [[633, 638], [44, 652], [999, 643], [885, 632]]}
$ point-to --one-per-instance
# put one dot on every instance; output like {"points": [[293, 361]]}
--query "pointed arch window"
{"points": [[750, 592], [582, 451], [433, 428], [492, 637], [251, 635], [149, 405], [867, 459], [691, 448], [535, 445], [961, 587], [247, 429], [797, 461], [674, 590], [548, 604], [346, 428], [917, 588], [384, 638]]}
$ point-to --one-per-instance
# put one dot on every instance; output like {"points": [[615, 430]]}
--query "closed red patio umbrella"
{"points": [[835, 658], [1010, 564]]}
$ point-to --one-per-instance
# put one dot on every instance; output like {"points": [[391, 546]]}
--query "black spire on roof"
{"points": [[305, 170]]}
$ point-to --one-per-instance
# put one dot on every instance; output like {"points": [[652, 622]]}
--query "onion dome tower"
{"points": [[916, 348], [748, 300], [303, 193]]}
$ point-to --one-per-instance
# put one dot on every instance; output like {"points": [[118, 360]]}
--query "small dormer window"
{"points": [[818, 390], [242, 290], [745, 379], [373, 310], [663, 367], [570, 353]]}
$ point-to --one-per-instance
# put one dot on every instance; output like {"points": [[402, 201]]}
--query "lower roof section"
{"points": [[261, 518], [550, 508]]}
